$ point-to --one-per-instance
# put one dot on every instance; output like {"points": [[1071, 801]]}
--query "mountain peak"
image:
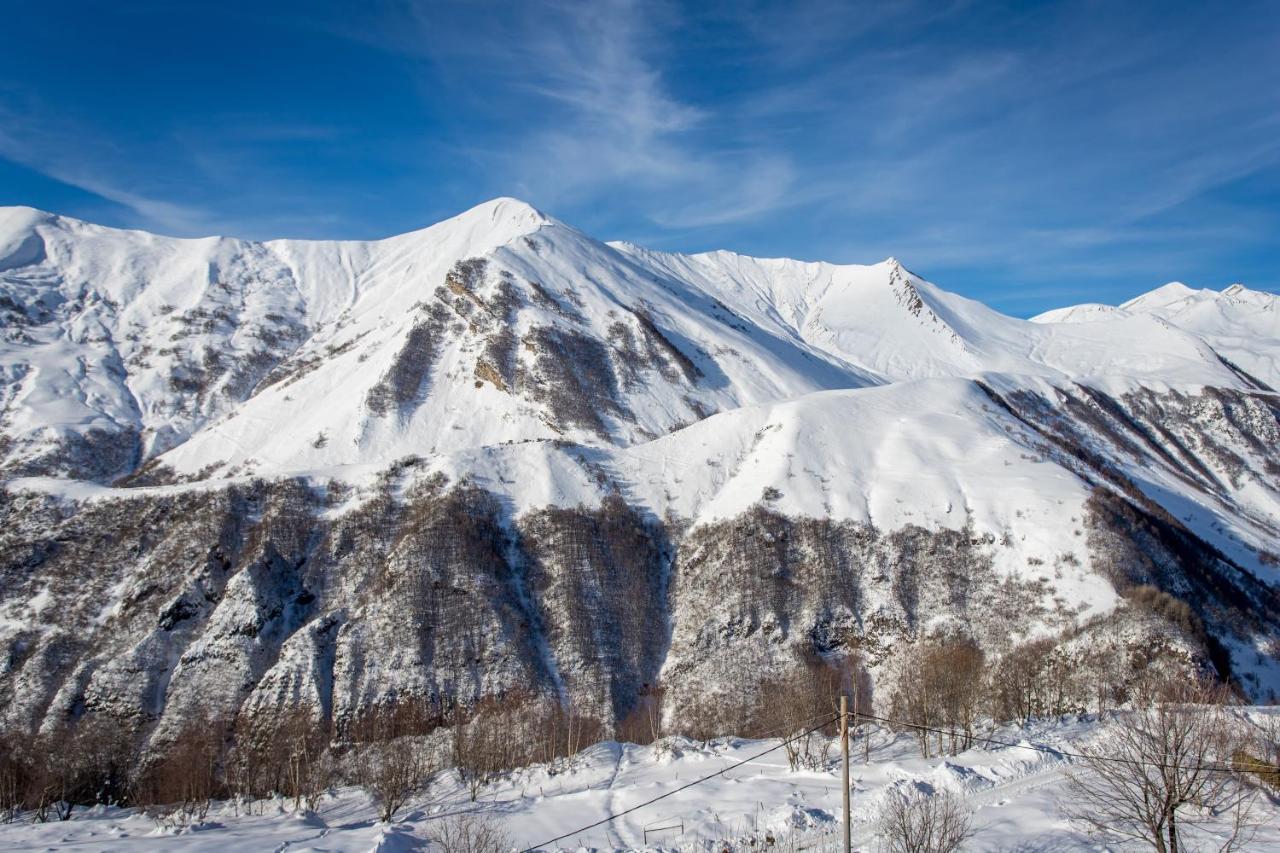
{"points": [[478, 230], [507, 213], [1167, 294]]}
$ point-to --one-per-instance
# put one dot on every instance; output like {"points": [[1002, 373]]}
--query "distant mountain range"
{"points": [[497, 454]]}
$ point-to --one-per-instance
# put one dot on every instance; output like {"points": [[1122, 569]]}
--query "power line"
{"points": [[674, 791], [892, 722], [763, 735]]}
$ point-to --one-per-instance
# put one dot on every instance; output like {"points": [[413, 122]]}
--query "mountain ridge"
{"points": [[497, 454]]}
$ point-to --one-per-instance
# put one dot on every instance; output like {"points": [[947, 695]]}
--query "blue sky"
{"points": [[1026, 154]]}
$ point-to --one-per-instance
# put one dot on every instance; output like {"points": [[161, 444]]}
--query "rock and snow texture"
{"points": [[497, 454], [216, 355]]}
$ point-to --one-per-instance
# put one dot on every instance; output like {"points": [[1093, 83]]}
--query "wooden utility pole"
{"points": [[844, 750]]}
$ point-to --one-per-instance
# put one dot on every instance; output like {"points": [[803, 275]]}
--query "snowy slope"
{"points": [[898, 326], [1242, 325], [152, 339]]}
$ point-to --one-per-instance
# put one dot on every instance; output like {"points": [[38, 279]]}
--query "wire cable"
{"points": [[890, 722], [684, 787]]}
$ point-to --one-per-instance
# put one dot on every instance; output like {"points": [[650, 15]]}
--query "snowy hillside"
{"points": [[1240, 324], [498, 456]]}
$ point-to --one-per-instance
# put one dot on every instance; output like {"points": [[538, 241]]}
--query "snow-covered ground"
{"points": [[1013, 794]]}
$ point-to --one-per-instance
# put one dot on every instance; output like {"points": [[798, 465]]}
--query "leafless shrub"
{"points": [[1035, 679], [395, 771], [1162, 773], [284, 754], [102, 757], [925, 823], [52, 776], [14, 775], [393, 761], [499, 736], [792, 714], [471, 833], [807, 697], [480, 748], [558, 731], [77, 763]]}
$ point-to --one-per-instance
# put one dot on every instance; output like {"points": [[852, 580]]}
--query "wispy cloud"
{"points": [[67, 155], [601, 120], [988, 146], [147, 181]]}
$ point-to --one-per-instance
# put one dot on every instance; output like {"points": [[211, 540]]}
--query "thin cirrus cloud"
{"points": [[601, 118], [1008, 152], [59, 153]]}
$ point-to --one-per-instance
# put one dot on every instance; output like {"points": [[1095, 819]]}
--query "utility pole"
{"points": [[844, 750]]}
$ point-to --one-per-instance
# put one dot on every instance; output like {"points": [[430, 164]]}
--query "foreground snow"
{"points": [[1012, 792]]}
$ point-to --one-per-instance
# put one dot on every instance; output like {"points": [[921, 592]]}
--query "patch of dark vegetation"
{"points": [[641, 346], [466, 277], [747, 592], [98, 455], [406, 379], [1133, 539], [572, 377], [599, 578], [1195, 438], [1144, 548], [289, 371], [1248, 378], [497, 363], [249, 612], [545, 299]]}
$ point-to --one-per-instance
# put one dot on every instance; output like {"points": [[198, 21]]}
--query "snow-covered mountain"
{"points": [[1240, 324], [498, 455]]}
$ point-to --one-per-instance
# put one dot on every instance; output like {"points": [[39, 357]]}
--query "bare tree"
{"points": [[480, 747], [15, 772], [643, 724], [1163, 771], [939, 693], [395, 771], [180, 784], [470, 833], [956, 672], [102, 755], [56, 774], [791, 705], [307, 763], [1019, 682], [392, 761], [925, 823]]}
